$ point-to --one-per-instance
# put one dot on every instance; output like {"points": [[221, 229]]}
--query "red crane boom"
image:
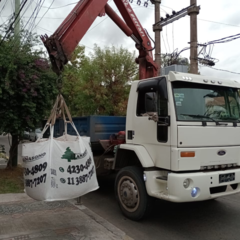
{"points": [[62, 43]]}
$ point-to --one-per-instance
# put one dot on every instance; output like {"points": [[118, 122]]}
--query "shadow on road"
{"points": [[213, 219]]}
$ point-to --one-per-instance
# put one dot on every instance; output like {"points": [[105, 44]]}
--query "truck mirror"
{"points": [[162, 89]]}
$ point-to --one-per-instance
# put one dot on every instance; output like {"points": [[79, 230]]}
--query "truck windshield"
{"points": [[200, 102]]}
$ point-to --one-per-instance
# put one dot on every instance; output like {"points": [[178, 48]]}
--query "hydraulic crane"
{"points": [[62, 43], [172, 150]]}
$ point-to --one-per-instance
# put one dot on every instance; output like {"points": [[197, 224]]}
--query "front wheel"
{"points": [[131, 193]]}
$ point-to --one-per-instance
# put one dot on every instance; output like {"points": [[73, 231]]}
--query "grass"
{"points": [[11, 180]]}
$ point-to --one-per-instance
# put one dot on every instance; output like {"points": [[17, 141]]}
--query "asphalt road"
{"points": [[217, 219]]}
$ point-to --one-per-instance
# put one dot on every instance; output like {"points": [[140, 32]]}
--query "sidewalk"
{"points": [[23, 218]]}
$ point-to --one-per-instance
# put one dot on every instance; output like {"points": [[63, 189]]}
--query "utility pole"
{"points": [[17, 22], [193, 12], [157, 29], [17, 39]]}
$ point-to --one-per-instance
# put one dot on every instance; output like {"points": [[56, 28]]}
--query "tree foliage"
{"points": [[27, 87], [100, 82], [171, 59], [72, 81]]}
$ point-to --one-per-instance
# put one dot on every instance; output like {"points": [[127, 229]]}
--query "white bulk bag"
{"points": [[59, 168]]}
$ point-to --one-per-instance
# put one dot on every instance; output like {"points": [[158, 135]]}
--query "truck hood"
{"points": [[208, 136]]}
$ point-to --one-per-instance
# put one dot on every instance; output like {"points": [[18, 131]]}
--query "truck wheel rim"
{"points": [[128, 193]]}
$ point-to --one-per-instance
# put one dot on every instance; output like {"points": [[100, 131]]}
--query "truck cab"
{"points": [[182, 131]]}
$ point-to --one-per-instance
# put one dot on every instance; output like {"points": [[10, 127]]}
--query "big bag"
{"points": [[59, 168]]}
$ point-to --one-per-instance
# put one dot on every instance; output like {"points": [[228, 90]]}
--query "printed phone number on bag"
{"points": [[81, 179], [36, 181], [35, 169], [79, 168]]}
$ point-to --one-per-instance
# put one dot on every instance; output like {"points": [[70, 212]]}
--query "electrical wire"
{"points": [[166, 7], [41, 28], [11, 25], [164, 43], [60, 6], [223, 70], [227, 24], [152, 41], [45, 13], [218, 22], [97, 24], [37, 17], [30, 23], [163, 10], [167, 40], [225, 39], [32, 20], [4, 5], [173, 34]]}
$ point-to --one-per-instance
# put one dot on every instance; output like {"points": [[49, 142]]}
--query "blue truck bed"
{"points": [[95, 127]]}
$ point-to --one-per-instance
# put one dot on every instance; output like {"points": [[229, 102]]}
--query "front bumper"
{"points": [[172, 188]]}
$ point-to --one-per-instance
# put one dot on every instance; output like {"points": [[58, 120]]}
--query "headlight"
{"points": [[195, 192], [186, 183], [144, 177]]}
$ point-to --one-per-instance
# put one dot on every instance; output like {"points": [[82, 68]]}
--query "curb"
{"points": [[13, 197], [109, 227], [112, 231]]}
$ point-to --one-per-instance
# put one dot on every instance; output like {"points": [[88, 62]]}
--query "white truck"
{"points": [[182, 142], [182, 130]]}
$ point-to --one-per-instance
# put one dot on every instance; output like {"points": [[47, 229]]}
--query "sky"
{"points": [[217, 19]]}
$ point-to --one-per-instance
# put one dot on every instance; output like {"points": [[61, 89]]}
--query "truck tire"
{"points": [[131, 193]]}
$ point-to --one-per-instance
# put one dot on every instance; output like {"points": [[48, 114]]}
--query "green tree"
{"points": [[101, 85], [27, 88], [171, 59], [72, 80], [69, 155]]}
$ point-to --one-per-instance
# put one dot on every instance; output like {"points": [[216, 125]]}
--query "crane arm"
{"points": [[65, 39]]}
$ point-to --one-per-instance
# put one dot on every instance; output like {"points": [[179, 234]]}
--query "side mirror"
{"points": [[162, 89]]}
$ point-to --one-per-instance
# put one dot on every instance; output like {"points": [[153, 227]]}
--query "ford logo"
{"points": [[221, 153]]}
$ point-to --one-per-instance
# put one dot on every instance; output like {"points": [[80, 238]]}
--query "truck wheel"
{"points": [[131, 193]]}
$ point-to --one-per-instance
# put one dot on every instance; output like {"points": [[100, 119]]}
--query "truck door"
{"points": [[151, 121]]}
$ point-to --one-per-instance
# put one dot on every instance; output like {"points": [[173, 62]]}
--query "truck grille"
{"points": [[216, 167]]}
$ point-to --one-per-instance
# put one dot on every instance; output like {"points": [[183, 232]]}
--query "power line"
{"points": [[31, 21], [60, 6], [218, 22], [221, 40], [11, 25], [4, 5], [173, 34], [97, 24], [138, 7], [164, 44], [223, 70], [166, 7], [44, 29], [52, 33], [38, 17], [227, 24], [225, 39], [45, 13], [167, 40]]}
